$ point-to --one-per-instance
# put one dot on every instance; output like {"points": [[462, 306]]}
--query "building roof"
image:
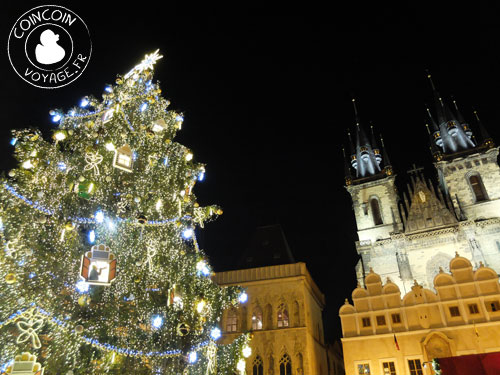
{"points": [[267, 247]]}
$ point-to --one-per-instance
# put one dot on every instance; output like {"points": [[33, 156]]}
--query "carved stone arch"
{"points": [[437, 345], [432, 267]]}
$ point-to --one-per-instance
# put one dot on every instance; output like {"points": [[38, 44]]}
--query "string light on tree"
{"points": [[113, 174]]}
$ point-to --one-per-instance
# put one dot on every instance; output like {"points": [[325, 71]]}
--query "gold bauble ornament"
{"points": [[183, 329], [137, 279], [83, 301], [142, 219], [220, 212], [12, 173], [79, 329], [69, 226], [119, 80], [42, 219], [10, 278]]}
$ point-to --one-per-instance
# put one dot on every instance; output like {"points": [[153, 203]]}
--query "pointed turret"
{"points": [[465, 126], [487, 141], [366, 157], [385, 156], [347, 169], [453, 137]]}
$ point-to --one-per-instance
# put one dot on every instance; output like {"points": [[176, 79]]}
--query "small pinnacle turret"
{"points": [[451, 133], [366, 157]]}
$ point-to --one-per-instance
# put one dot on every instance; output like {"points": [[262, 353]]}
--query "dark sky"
{"points": [[267, 102]]}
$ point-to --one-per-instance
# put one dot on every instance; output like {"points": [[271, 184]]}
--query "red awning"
{"points": [[474, 364]]}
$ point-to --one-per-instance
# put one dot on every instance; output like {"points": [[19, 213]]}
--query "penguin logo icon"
{"points": [[48, 51]]}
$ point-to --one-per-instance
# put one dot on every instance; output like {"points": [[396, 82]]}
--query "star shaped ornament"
{"points": [[146, 64]]}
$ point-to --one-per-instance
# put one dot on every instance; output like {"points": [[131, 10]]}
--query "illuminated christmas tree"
{"points": [[101, 271]]}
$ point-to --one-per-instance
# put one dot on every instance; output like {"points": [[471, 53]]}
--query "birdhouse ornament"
{"points": [[124, 158], [25, 364], [98, 266]]}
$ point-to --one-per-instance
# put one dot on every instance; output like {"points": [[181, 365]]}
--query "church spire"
{"points": [[453, 136], [366, 157], [385, 156], [486, 139]]}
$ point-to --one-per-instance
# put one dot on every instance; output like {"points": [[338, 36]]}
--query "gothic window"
{"points": [[285, 365], [377, 217], [258, 366], [282, 316], [477, 187], [232, 321], [257, 319]]}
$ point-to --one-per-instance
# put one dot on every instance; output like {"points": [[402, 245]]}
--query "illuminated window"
{"points": [[366, 322], [364, 369], [232, 321], [473, 308], [396, 318], [454, 311], [258, 366], [415, 367], [257, 319], [377, 218], [389, 368], [477, 188], [285, 365], [381, 320], [282, 316]]}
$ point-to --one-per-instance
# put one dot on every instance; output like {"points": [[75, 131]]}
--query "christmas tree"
{"points": [[101, 271]]}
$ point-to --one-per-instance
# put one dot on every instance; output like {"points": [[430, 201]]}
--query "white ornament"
{"points": [[93, 159], [212, 358], [29, 324], [199, 216], [150, 253], [25, 364], [108, 115], [98, 266], [159, 125], [121, 205], [124, 158]]}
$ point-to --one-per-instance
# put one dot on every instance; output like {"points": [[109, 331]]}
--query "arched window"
{"points": [[258, 366], [285, 365], [377, 217], [257, 319], [282, 316], [477, 187], [232, 321]]}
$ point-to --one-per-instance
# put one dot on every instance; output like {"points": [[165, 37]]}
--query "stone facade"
{"points": [[413, 240], [284, 313], [384, 334]]}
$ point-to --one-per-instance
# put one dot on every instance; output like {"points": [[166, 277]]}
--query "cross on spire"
{"points": [[415, 170]]}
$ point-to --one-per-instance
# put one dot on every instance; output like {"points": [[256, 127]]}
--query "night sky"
{"points": [[267, 103]]}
